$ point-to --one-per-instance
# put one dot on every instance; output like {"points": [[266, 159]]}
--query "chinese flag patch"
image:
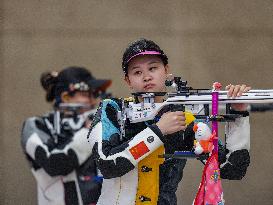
{"points": [[139, 150]]}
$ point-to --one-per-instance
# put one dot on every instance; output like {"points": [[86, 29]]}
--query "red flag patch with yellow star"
{"points": [[139, 150]]}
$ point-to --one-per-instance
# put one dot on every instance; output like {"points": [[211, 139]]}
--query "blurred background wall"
{"points": [[225, 40]]}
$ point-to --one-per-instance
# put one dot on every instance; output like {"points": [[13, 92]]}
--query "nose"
{"points": [[147, 77]]}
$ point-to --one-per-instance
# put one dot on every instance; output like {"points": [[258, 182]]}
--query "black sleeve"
{"points": [[55, 161], [235, 166], [57, 164]]}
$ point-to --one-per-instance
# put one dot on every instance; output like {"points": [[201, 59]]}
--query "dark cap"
{"points": [[142, 47], [80, 79], [71, 79]]}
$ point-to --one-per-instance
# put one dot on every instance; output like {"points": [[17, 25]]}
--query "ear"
{"points": [[127, 80], [167, 69], [65, 97]]}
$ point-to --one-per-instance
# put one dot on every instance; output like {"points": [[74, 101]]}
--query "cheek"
{"points": [[81, 99], [93, 101], [161, 82], [162, 76], [134, 83]]}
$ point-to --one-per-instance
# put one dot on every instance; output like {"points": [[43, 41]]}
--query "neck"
{"points": [[158, 99]]}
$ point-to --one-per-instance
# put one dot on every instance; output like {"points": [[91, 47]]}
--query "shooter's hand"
{"points": [[88, 123], [172, 122], [237, 91]]}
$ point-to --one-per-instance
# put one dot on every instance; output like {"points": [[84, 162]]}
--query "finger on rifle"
{"points": [[230, 90], [241, 90], [179, 113], [248, 88], [236, 90], [181, 122], [228, 86]]}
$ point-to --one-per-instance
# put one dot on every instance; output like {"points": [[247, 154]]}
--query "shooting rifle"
{"points": [[72, 110], [190, 98], [195, 101]]}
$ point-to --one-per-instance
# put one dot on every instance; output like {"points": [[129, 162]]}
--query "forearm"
{"points": [[115, 160], [237, 157], [238, 134], [60, 160]]}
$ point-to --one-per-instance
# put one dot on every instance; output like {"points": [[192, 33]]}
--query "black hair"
{"points": [[48, 81], [139, 46]]}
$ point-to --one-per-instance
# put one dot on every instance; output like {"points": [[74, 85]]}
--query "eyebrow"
{"points": [[135, 67], [152, 62]]}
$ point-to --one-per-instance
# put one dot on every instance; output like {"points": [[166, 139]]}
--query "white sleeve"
{"points": [[238, 134]]}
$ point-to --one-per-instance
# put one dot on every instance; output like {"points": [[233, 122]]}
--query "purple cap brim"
{"points": [[145, 53]]}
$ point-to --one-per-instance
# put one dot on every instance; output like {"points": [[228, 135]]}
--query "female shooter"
{"points": [[55, 144]]}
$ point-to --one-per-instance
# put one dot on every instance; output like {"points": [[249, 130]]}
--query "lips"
{"points": [[149, 86]]}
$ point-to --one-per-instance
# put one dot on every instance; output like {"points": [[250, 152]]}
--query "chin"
{"points": [[151, 90], [156, 90]]}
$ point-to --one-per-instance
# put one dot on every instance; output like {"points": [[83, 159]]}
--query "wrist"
{"points": [[244, 113], [160, 128], [157, 131], [239, 107]]}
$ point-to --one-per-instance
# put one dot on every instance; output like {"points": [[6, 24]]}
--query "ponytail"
{"points": [[49, 81]]}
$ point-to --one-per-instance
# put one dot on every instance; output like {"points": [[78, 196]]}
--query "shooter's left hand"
{"points": [[237, 91]]}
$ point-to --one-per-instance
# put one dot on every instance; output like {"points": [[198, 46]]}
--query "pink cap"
{"points": [[145, 53]]}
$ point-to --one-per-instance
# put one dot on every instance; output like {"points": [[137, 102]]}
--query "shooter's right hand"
{"points": [[172, 122]]}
